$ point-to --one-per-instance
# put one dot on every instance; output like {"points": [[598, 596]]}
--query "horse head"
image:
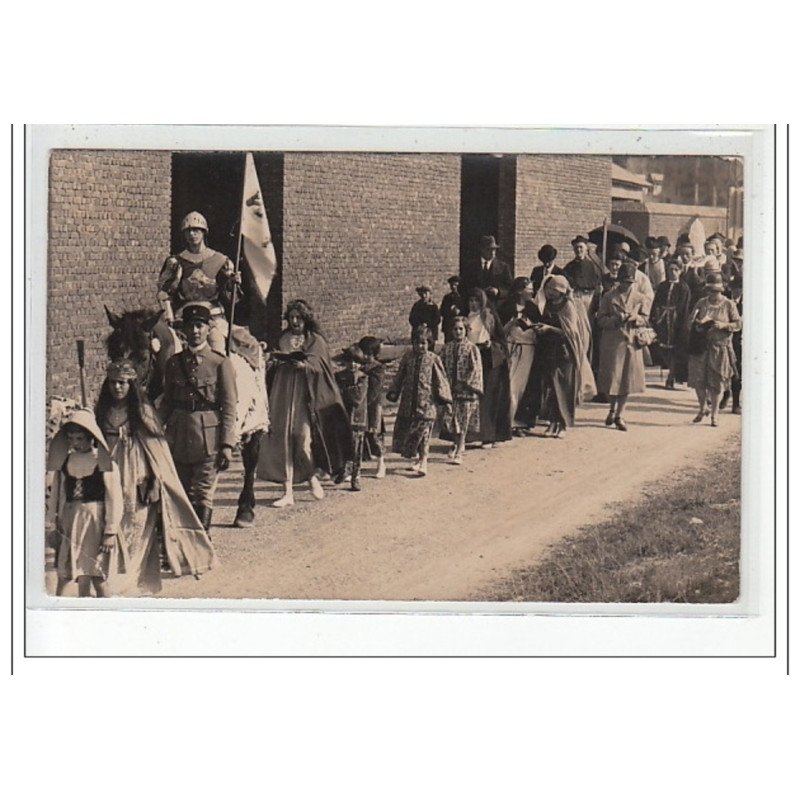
{"points": [[144, 337]]}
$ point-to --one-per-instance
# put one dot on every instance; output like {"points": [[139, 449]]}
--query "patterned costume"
{"points": [[462, 364], [421, 383]]}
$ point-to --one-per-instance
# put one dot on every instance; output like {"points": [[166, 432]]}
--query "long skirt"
{"points": [[411, 436], [140, 536], [713, 370], [464, 417], [520, 363], [79, 555], [621, 365], [495, 406], [286, 449]]}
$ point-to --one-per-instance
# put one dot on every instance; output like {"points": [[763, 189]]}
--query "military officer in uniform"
{"points": [[199, 410], [199, 273]]}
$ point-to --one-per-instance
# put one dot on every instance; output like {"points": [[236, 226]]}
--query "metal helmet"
{"points": [[194, 220]]}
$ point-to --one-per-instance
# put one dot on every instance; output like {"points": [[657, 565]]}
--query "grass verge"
{"points": [[679, 544]]}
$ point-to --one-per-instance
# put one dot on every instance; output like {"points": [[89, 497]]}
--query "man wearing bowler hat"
{"points": [[495, 276], [453, 305], [583, 274], [199, 410]]}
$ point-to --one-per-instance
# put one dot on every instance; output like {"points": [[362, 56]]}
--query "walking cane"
{"points": [[82, 369]]}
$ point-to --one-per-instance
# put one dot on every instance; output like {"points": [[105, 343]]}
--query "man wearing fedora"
{"points": [[584, 275], [426, 312], [199, 411], [494, 276]]}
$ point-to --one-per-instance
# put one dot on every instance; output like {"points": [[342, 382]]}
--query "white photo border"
{"points": [[155, 626]]}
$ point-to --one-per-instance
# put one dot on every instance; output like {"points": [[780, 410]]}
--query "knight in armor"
{"points": [[200, 274]]}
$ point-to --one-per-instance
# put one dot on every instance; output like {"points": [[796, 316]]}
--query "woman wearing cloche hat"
{"points": [[712, 362]]}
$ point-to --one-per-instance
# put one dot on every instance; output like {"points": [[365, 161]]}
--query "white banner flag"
{"points": [[259, 251]]}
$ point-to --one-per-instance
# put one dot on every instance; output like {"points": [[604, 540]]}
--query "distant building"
{"points": [[707, 187]]}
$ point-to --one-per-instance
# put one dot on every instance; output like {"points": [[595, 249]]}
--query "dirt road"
{"points": [[448, 535]]}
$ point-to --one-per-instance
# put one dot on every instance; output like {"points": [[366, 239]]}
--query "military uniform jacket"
{"points": [[199, 404]]}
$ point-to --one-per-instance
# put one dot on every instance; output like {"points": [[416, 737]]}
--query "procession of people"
{"points": [[135, 480]]}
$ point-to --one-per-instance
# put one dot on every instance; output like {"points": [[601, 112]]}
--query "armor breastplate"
{"points": [[199, 278]]}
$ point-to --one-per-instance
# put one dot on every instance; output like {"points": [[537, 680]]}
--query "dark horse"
{"points": [[146, 338]]}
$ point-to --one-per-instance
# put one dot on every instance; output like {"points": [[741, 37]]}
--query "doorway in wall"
{"points": [[211, 183]]}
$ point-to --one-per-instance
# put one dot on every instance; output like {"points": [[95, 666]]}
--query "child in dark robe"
{"points": [[375, 370], [353, 382]]}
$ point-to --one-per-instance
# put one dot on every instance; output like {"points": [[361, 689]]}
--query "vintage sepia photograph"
{"points": [[371, 375]]}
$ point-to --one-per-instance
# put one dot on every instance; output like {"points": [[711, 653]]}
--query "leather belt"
{"points": [[196, 405]]}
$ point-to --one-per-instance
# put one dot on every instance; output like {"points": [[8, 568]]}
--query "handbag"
{"points": [[698, 339]]}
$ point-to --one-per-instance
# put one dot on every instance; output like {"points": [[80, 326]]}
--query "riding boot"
{"points": [[204, 515]]}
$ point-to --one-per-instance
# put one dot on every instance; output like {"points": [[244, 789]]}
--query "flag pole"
{"points": [[605, 240], [236, 270]]}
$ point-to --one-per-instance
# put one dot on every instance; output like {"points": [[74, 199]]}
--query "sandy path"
{"points": [[446, 536]]}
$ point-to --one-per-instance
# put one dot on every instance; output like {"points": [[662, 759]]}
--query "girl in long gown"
{"points": [[487, 333], [155, 505], [310, 429], [712, 366], [462, 363]]}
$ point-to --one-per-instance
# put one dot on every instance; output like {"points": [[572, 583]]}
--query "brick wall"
{"points": [[109, 233], [361, 231], [558, 197]]}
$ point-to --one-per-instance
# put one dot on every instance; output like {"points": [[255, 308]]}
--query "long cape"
{"points": [[188, 546], [332, 443], [578, 334]]}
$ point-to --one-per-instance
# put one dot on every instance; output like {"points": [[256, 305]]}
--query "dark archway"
{"points": [[211, 183]]}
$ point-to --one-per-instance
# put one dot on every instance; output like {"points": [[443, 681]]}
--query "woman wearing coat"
{"points": [[622, 309]]}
